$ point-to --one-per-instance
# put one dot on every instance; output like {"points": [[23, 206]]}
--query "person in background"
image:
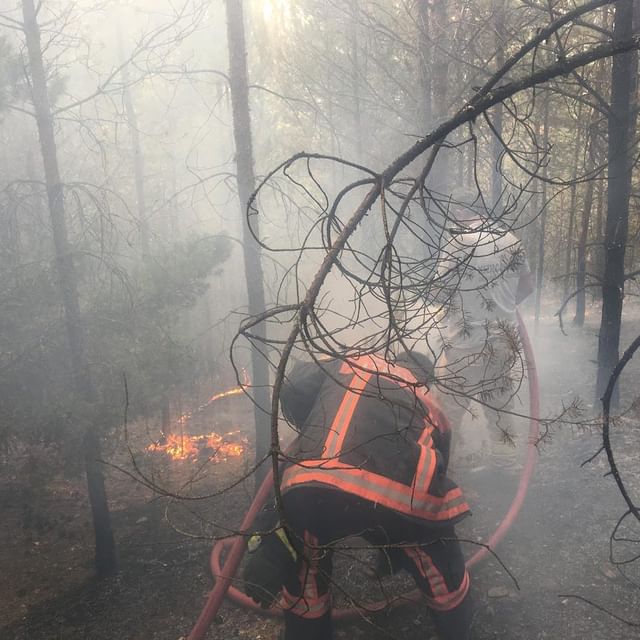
{"points": [[370, 461], [483, 274]]}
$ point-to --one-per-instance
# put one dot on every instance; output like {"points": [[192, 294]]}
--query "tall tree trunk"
{"points": [[598, 267], [251, 251], [543, 214], [355, 80], [439, 26], [496, 144], [10, 234], [470, 157], [138, 156], [337, 171], [425, 116], [105, 556], [585, 223], [572, 206], [581, 270], [620, 123]]}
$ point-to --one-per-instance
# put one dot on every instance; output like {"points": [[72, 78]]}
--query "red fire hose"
{"points": [[224, 572]]}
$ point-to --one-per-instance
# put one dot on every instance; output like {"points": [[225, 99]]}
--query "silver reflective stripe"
{"points": [[385, 491]]}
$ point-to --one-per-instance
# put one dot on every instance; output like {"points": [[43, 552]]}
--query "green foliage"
{"points": [[175, 275], [12, 85], [139, 330], [135, 330]]}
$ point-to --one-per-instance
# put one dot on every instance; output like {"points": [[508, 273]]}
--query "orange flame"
{"points": [[223, 394], [234, 391], [213, 445], [179, 446]]}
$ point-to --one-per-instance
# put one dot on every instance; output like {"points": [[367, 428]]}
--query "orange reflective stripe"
{"points": [[373, 364], [428, 570], [427, 460], [425, 437], [310, 603], [340, 425], [322, 469], [342, 420], [453, 599], [379, 489], [413, 500], [440, 597]]}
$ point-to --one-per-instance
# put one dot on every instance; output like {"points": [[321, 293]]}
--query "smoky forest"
{"points": [[319, 319]]}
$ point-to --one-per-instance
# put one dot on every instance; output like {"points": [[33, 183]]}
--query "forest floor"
{"points": [[557, 551]]}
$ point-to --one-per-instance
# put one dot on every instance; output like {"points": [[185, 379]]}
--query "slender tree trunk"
{"points": [[425, 114], [138, 156], [598, 267], [572, 207], [471, 163], [105, 556], [543, 215], [439, 25], [337, 172], [620, 122], [585, 223], [458, 168], [209, 336], [355, 80], [581, 270], [459, 163], [10, 233], [246, 183], [496, 144]]}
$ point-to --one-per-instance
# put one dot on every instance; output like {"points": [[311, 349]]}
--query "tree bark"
{"points": [[581, 270], [496, 144], [105, 555], [439, 26], [246, 183], [599, 237], [138, 156], [424, 56], [543, 214], [356, 81], [620, 124], [581, 267], [568, 256]]}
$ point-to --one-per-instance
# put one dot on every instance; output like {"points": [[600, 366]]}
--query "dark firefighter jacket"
{"points": [[368, 428]]}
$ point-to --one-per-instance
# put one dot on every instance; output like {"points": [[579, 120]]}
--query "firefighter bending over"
{"points": [[370, 460]]}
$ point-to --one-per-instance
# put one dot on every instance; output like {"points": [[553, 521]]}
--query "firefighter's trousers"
{"points": [[318, 517]]}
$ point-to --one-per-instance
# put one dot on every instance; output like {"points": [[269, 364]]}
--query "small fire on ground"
{"points": [[213, 446], [180, 446]]}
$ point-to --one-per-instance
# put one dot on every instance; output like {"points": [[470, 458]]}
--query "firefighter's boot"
{"points": [[297, 628], [455, 623]]}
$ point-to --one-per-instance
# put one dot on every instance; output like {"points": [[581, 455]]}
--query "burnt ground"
{"points": [[558, 547]]}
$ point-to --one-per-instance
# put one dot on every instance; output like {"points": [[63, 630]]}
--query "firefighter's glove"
{"points": [[272, 559]]}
